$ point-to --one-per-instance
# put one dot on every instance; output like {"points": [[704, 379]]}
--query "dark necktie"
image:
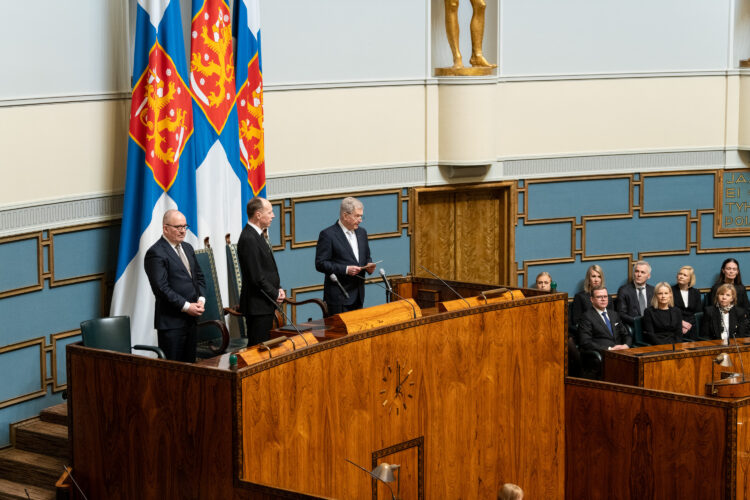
{"points": [[609, 325]]}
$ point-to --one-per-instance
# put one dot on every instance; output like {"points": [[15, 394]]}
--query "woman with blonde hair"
{"points": [[724, 319], [582, 300], [662, 321], [687, 299]]}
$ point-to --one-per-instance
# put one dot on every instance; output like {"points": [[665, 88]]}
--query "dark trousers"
{"points": [[340, 308], [258, 327], [179, 344]]}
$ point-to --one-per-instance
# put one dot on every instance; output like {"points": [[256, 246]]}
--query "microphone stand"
{"points": [[446, 284], [335, 279], [286, 318], [414, 310]]}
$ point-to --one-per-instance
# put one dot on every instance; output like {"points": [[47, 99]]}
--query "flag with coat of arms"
{"points": [[160, 164]]}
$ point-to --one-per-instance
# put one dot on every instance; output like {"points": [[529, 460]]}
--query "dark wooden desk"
{"points": [[685, 370]]}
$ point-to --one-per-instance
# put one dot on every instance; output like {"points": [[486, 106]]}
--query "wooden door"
{"points": [[464, 233]]}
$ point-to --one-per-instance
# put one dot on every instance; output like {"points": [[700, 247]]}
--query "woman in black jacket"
{"points": [[724, 319], [730, 273], [687, 299], [662, 321], [582, 300]]}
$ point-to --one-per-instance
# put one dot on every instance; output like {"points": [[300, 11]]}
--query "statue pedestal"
{"points": [[471, 71]]}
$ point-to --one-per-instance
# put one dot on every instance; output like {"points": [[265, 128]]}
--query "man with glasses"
{"points": [[178, 285], [343, 250], [600, 328]]}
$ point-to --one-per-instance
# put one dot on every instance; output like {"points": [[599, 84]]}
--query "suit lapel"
{"points": [[172, 255], [343, 240]]}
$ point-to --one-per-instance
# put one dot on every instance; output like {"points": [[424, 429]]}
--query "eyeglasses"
{"points": [[360, 217], [183, 227]]}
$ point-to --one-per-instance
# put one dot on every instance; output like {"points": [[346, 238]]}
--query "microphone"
{"points": [[388, 288], [382, 273], [446, 284], [335, 279], [739, 354], [286, 318]]}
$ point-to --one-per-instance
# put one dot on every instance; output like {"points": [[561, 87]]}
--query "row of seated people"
{"points": [[666, 314]]}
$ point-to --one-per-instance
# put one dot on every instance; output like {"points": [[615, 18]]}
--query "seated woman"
{"points": [[662, 321], [687, 299], [724, 319], [730, 273], [544, 282], [582, 300]]}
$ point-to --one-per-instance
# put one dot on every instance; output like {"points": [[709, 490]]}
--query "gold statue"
{"points": [[480, 65]]}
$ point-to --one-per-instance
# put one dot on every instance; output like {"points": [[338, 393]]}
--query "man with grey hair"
{"points": [[343, 251], [635, 296]]}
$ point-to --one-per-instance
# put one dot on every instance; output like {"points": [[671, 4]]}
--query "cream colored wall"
{"points": [[77, 149], [55, 151], [344, 127], [551, 118]]}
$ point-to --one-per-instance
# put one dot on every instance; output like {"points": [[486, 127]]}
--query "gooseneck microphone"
{"points": [[446, 284], [739, 354], [286, 318], [382, 273], [388, 287], [335, 279]]}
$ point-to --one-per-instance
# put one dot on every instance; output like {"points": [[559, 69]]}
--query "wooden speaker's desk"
{"points": [[686, 369], [447, 396]]}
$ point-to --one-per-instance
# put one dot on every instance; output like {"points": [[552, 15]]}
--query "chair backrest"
{"points": [[638, 331], [214, 309], [111, 333], [235, 282]]}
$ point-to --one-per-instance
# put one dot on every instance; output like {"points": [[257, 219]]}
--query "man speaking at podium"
{"points": [[343, 253]]}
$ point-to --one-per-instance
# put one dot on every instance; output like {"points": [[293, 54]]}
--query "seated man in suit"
{"points": [[600, 328], [343, 250], [634, 297], [178, 285]]}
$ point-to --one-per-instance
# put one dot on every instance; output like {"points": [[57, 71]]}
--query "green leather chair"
{"points": [[113, 333], [213, 334]]}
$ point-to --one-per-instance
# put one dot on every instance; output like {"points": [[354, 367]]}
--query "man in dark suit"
{"points": [[634, 297], [343, 250], [178, 285], [601, 328], [261, 289]]}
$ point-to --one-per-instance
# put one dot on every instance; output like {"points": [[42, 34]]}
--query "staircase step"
{"points": [[17, 491], [30, 468], [57, 414], [42, 437]]}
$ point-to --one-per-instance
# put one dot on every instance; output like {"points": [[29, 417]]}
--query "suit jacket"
{"points": [[581, 304], [627, 301], [662, 327], [332, 254], [259, 274], [172, 284], [711, 325], [593, 333], [693, 306]]}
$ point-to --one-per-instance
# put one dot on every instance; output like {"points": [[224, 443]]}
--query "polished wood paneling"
{"points": [[743, 452], [464, 233], [433, 234], [483, 418], [684, 371], [632, 443]]}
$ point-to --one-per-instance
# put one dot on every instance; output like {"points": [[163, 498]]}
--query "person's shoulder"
{"points": [[158, 246], [624, 288]]}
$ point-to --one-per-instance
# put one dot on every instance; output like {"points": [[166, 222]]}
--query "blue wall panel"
{"points": [[687, 192], [20, 372], [86, 252], [635, 235], [569, 277], [49, 311], [553, 200], [18, 264], [543, 241], [708, 240]]}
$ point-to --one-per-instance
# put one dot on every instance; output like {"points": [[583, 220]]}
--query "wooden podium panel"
{"points": [[464, 400], [685, 370], [627, 442]]}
